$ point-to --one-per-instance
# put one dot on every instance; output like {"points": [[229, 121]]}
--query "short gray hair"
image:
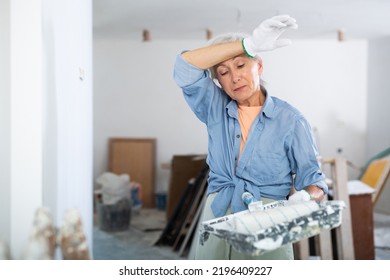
{"points": [[228, 38], [225, 38]]}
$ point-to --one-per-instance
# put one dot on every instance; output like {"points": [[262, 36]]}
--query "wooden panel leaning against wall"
{"points": [[135, 157]]}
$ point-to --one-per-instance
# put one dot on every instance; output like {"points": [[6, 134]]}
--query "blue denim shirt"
{"points": [[280, 144]]}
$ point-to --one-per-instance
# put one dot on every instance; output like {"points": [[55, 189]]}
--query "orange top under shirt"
{"points": [[246, 116]]}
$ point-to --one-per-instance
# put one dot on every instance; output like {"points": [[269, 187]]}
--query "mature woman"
{"points": [[257, 143]]}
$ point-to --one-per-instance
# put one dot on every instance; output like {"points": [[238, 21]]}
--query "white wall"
{"points": [[378, 97], [5, 129], [46, 114], [378, 101], [68, 110], [135, 95], [327, 81], [26, 118]]}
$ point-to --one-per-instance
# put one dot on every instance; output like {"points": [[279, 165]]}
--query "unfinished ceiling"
{"points": [[182, 20]]}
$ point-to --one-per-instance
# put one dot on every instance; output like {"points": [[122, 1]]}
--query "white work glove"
{"points": [[265, 36], [297, 197]]}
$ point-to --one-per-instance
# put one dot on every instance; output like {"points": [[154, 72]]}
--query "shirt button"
{"points": [[238, 136]]}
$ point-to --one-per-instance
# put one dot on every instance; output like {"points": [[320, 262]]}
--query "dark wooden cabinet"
{"points": [[362, 226]]}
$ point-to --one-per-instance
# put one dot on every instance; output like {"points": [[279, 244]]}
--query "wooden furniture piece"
{"points": [[381, 154], [376, 176], [135, 157], [363, 226]]}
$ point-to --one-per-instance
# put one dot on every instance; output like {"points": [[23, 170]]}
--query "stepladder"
{"points": [[337, 243]]}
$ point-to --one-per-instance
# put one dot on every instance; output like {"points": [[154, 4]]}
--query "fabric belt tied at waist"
{"points": [[231, 195]]}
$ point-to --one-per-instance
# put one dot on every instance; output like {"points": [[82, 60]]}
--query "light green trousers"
{"points": [[218, 249]]}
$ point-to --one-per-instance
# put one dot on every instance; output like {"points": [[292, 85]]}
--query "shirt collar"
{"points": [[232, 109], [268, 107]]}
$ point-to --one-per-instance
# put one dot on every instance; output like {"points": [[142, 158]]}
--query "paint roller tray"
{"points": [[261, 231]]}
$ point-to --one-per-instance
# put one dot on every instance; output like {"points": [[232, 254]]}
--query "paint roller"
{"points": [[266, 227]]}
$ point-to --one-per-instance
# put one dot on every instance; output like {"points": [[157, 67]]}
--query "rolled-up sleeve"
{"points": [[186, 74], [197, 86], [304, 158]]}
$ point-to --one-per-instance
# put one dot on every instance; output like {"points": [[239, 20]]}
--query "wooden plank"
{"points": [[301, 249], [176, 220], [324, 244], [191, 213], [344, 235], [171, 230], [194, 223], [135, 157]]}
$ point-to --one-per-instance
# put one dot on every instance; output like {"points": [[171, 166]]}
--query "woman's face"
{"points": [[240, 78]]}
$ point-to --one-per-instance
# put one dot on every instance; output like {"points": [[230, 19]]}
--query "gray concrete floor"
{"points": [[133, 244], [136, 243], [146, 227], [382, 236]]}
